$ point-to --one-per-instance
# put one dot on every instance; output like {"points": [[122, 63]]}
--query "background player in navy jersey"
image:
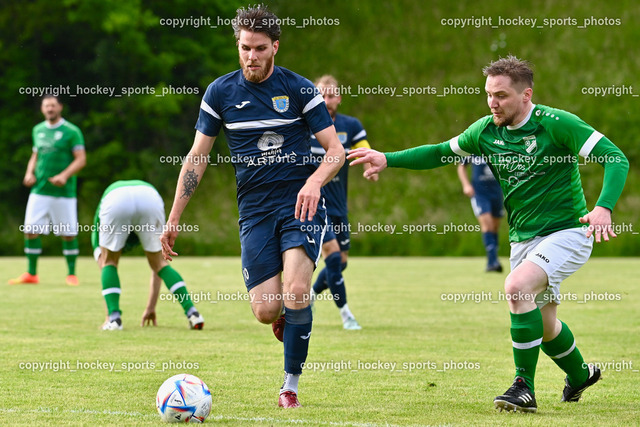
{"points": [[335, 248], [486, 201], [266, 113]]}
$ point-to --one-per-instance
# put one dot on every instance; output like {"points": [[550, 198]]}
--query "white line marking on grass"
{"points": [[42, 410], [294, 421]]}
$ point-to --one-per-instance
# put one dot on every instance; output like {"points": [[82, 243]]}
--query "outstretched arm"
{"points": [[376, 160], [423, 157], [190, 176]]}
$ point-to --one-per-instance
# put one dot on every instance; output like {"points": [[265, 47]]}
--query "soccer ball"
{"points": [[183, 398]]}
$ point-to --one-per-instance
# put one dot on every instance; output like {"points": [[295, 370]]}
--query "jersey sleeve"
{"points": [[359, 134], [428, 156], [579, 137], [616, 167], [570, 131], [77, 139], [34, 147], [362, 143], [314, 110], [433, 156], [209, 119], [468, 142]]}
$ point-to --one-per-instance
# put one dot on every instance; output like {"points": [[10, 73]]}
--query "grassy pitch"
{"points": [[434, 349]]}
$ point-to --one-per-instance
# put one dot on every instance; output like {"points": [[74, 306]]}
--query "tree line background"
{"points": [[367, 45]]}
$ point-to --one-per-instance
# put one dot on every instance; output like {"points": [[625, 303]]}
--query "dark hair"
{"points": [[50, 95], [518, 70], [257, 19]]}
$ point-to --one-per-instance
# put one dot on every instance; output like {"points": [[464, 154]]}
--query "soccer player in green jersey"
{"points": [[58, 155], [533, 151], [132, 212]]}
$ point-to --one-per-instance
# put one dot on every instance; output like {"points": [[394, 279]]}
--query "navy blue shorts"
{"points": [[488, 203], [338, 227], [263, 239]]}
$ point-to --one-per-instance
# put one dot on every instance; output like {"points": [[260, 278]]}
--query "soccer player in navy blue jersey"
{"points": [[267, 114], [486, 201], [335, 249]]}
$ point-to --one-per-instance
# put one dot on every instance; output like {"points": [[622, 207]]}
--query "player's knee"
{"points": [[266, 313], [513, 286], [298, 292]]}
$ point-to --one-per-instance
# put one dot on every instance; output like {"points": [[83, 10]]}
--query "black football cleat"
{"points": [[519, 398], [571, 394]]}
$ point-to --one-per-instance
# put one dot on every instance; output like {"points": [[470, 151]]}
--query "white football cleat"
{"points": [[351, 324], [113, 325], [196, 321]]}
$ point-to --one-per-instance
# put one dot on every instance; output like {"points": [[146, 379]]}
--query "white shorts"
{"points": [[47, 213], [559, 254], [138, 209]]}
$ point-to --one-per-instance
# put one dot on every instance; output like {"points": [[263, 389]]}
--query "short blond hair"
{"points": [[326, 80]]}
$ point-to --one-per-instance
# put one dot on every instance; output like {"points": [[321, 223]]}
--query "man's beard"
{"points": [[504, 121], [52, 117], [256, 76]]}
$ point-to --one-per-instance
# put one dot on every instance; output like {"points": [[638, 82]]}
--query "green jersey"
{"points": [[54, 146], [536, 163]]}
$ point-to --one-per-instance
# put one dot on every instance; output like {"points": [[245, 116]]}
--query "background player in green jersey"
{"points": [[533, 152], [58, 155], [133, 210]]}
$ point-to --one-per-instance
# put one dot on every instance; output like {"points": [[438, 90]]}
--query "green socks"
{"points": [[32, 249], [70, 252], [111, 288], [176, 286], [526, 334], [563, 351]]}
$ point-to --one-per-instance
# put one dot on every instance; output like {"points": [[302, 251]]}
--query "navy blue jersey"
{"points": [[350, 132], [268, 127], [482, 178]]}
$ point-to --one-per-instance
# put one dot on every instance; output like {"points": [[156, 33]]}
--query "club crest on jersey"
{"points": [[342, 137], [530, 144], [270, 141], [280, 103]]}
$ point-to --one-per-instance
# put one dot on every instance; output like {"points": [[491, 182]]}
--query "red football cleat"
{"points": [[288, 399], [25, 279], [278, 328]]}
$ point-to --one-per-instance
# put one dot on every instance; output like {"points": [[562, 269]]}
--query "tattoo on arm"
{"points": [[190, 182]]}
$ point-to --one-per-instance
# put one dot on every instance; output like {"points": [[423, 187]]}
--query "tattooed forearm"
{"points": [[190, 182]]}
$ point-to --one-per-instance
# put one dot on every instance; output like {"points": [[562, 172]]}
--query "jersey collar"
{"points": [[55, 125], [524, 121]]}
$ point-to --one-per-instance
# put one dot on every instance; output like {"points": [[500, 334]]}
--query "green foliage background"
{"points": [[400, 44]]}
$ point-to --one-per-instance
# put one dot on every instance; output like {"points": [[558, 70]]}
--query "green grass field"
{"points": [[420, 359]]}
